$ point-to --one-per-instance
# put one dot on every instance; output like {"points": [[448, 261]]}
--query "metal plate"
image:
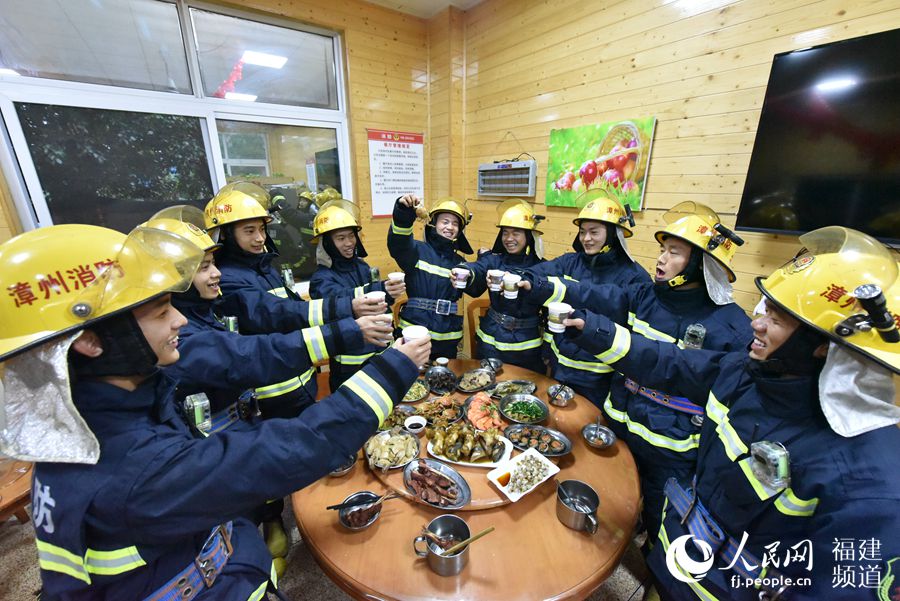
{"points": [[500, 389], [404, 410], [507, 451], [465, 493], [386, 434], [512, 398], [343, 513], [460, 411], [554, 435], [421, 398], [466, 412], [480, 370]]}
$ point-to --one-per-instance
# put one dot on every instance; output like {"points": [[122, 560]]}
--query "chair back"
{"points": [[476, 310]]}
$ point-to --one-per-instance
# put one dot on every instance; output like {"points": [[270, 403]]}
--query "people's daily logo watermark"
{"points": [[682, 566]]}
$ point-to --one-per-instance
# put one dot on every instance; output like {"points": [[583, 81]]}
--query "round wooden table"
{"points": [[530, 555]]}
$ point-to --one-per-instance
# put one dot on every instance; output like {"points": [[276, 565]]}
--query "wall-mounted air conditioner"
{"points": [[507, 178]]}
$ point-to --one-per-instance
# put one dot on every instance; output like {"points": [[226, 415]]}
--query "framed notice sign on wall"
{"points": [[396, 167]]}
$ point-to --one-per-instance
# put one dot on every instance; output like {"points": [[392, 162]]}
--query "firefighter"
{"points": [[433, 301], [600, 257], [237, 216], [511, 329], [796, 451], [690, 304], [129, 503], [342, 273]]}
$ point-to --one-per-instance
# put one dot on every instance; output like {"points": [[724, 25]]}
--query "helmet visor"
{"points": [[690, 208], [149, 263], [867, 260]]}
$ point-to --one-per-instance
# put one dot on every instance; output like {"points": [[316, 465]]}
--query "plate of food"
{"points": [[547, 441], [391, 449], [483, 412], [441, 410], [397, 417], [501, 389], [522, 474], [436, 484], [475, 380], [524, 408], [461, 444], [417, 392]]}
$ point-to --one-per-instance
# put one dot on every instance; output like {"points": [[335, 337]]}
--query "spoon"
{"points": [[468, 541]]}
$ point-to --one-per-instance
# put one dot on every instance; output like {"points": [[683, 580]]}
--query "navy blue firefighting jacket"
{"points": [[223, 365], [346, 279], [569, 363], [124, 527], [842, 493], [661, 429], [251, 282], [517, 346], [427, 266]]}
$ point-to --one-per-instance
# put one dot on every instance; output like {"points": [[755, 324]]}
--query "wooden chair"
{"points": [[396, 310], [479, 307], [15, 489]]}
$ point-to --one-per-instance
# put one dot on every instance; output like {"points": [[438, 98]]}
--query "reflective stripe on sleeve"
{"points": [[401, 231], [432, 269], [109, 563], [436, 335], [315, 343], [508, 346], [371, 392], [316, 314], [559, 290], [657, 440], [591, 366], [261, 591], [273, 390], [57, 559], [279, 292], [359, 291], [620, 346], [352, 359]]}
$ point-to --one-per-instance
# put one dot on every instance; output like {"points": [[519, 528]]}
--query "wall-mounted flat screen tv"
{"points": [[827, 150]]}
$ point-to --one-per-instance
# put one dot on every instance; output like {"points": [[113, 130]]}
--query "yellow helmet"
{"points": [[186, 221], [326, 195], [237, 202], [450, 205], [65, 277], [598, 205], [335, 215], [699, 225], [834, 284], [515, 212]]}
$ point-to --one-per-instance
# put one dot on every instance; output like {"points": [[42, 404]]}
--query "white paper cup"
{"points": [[396, 276], [460, 277], [510, 285], [411, 333], [376, 296], [556, 313], [495, 279]]}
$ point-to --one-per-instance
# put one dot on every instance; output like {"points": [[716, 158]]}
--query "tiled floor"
{"points": [[20, 580]]}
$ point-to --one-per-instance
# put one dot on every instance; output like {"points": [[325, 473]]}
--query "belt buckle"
{"points": [[248, 406], [442, 306], [206, 567], [508, 321]]}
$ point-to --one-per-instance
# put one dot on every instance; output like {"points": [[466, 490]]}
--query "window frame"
{"points": [[15, 159]]}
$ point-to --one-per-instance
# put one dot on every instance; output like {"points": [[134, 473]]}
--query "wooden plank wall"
{"points": [[700, 67]]}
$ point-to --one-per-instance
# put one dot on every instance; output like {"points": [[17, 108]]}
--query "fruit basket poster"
{"points": [[613, 156]]}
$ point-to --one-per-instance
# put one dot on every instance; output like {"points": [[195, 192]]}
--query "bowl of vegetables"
{"points": [[524, 408]]}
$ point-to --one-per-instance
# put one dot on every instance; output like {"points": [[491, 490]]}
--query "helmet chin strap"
{"points": [[692, 272]]}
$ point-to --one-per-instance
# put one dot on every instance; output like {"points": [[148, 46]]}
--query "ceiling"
{"points": [[424, 8]]}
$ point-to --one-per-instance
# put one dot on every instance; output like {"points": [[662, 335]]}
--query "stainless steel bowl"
{"points": [[560, 395], [482, 371], [343, 513], [599, 437], [493, 364], [345, 468], [440, 380], [509, 399]]}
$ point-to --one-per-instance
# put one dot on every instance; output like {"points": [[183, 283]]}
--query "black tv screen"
{"points": [[827, 150]]}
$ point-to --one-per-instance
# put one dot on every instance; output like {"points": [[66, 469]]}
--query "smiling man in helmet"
{"points": [[798, 446], [342, 273], [129, 503], [433, 301], [511, 329], [600, 257]]}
